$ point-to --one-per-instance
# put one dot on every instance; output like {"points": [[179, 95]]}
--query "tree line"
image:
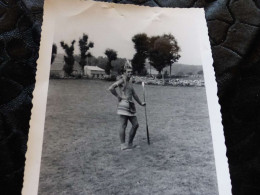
{"points": [[161, 51]]}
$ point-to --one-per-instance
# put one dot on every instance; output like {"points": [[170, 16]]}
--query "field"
{"points": [[81, 150]]}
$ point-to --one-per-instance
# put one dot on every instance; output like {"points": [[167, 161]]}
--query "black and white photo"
{"points": [[127, 109]]}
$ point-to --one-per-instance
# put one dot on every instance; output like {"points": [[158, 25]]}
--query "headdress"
{"points": [[127, 65]]}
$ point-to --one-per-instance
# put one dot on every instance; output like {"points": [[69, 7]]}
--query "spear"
{"points": [[147, 130]]}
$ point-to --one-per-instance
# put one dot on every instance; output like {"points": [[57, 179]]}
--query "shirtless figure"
{"points": [[126, 107]]}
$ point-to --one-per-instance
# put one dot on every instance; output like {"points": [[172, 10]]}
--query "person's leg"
{"points": [[135, 125], [123, 124]]}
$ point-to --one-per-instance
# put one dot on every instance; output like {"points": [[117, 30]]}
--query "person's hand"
{"points": [[143, 104], [119, 98]]}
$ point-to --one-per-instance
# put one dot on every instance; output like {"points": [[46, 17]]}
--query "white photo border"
{"points": [[33, 155]]}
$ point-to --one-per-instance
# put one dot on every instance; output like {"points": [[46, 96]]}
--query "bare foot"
{"points": [[132, 146], [124, 146]]}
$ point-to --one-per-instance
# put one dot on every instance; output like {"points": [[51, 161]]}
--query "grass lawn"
{"points": [[81, 150]]}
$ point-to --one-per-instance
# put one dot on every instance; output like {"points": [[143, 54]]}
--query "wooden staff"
{"points": [[147, 130]]}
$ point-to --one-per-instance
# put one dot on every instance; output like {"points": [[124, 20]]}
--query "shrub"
{"points": [[78, 76], [110, 78], [55, 75], [159, 76]]}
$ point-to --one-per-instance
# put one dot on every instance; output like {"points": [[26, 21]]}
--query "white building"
{"points": [[94, 71]]}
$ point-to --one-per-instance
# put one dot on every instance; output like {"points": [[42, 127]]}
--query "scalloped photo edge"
{"points": [[54, 11]]}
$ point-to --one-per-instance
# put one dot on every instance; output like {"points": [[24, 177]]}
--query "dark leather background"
{"points": [[235, 39]]}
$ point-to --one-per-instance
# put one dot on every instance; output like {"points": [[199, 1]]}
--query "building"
{"points": [[94, 71]]}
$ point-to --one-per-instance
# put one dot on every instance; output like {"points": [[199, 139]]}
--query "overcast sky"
{"points": [[113, 26]]}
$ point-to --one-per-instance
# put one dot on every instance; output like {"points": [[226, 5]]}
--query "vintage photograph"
{"points": [[127, 111]]}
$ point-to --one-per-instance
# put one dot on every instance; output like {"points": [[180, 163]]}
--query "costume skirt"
{"points": [[126, 107]]}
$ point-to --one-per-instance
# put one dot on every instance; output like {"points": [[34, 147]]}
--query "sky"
{"points": [[113, 26]]}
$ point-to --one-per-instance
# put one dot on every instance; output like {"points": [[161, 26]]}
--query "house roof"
{"points": [[93, 68]]}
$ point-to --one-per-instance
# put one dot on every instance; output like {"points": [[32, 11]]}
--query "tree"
{"points": [[174, 51], [53, 52], [158, 53], [138, 62], [118, 65], [68, 58], [101, 62], [111, 55], [164, 51], [84, 46], [141, 45]]}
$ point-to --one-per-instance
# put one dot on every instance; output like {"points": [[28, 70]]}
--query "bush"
{"points": [[78, 76], [165, 74], [110, 77], [143, 72], [159, 76], [55, 76]]}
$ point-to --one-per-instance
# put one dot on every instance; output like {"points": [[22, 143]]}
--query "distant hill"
{"points": [[178, 69], [58, 63]]}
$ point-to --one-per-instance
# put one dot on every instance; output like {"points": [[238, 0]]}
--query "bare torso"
{"points": [[126, 91]]}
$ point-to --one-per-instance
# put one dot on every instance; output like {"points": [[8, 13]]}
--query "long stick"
{"points": [[147, 130]]}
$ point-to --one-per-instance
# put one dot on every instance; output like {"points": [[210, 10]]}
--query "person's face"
{"points": [[129, 73]]}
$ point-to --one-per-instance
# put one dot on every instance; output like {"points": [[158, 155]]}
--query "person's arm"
{"points": [[113, 87], [137, 99]]}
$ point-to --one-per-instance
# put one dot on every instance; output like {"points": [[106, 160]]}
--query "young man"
{"points": [[126, 107]]}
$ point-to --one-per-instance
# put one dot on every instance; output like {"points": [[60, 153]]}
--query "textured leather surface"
{"points": [[235, 39]]}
